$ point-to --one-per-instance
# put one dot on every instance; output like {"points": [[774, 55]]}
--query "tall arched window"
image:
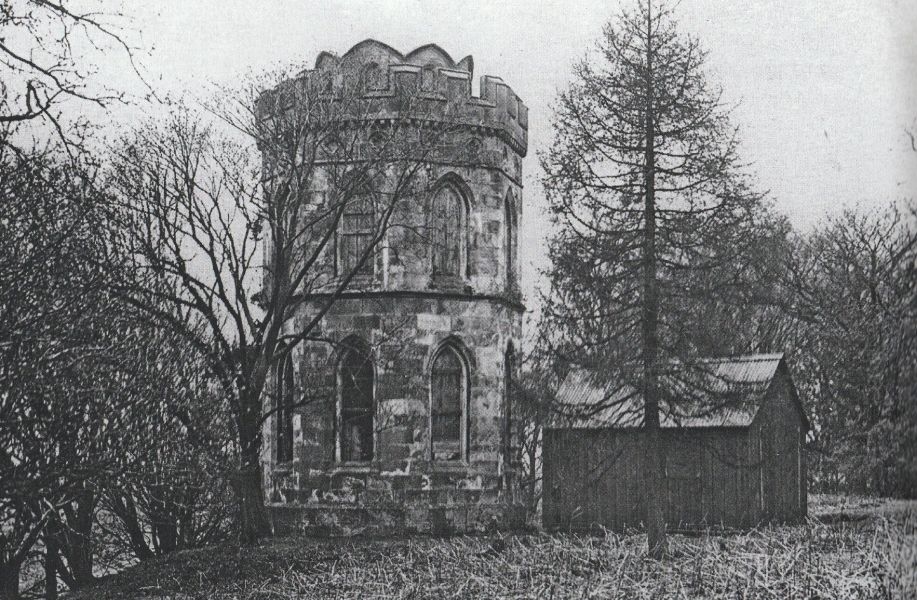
{"points": [[448, 232], [509, 370], [358, 222], [284, 415], [509, 218], [448, 389], [355, 380]]}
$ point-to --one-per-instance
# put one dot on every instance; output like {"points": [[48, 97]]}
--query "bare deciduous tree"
{"points": [[49, 52], [66, 352], [851, 291], [210, 220]]}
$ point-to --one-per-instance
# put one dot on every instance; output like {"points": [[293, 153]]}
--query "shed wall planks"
{"points": [[714, 477]]}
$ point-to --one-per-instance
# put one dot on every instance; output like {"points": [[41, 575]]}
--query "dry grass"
{"points": [[870, 557]]}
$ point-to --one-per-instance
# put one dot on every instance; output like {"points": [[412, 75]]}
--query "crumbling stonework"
{"points": [[404, 315]]}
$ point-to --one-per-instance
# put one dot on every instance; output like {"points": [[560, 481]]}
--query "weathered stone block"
{"points": [[404, 317]]}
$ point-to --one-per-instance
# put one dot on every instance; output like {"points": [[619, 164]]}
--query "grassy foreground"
{"points": [[859, 549]]}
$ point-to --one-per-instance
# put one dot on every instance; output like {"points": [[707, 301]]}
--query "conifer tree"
{"points": [[654, 214]]}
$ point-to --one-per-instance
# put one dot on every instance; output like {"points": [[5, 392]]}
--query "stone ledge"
{"points": [[334, 520]]}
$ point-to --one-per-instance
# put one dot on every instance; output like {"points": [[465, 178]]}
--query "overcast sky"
{"points": [[826, 88]]}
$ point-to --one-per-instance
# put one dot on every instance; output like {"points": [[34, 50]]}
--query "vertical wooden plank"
{"points": [[788, 459], [725, 472], [548, 480], [604, 475], [571, 507], [566, 478], [740, 471], [697, 478], [725, 476], [707, 481], [586, 498], [737, 473], [577, 490], [611, 481], [714, 504], [741, 474], [562, 474], [803, 472], [636, 512], [744, 466], [621, 482], [587, 461], [634, 515], [763, 474], [735, 477], [627, 471], [600, 478], [674, 479]]}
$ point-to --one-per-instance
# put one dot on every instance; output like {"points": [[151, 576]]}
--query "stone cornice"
{"points": [[512, 303]]}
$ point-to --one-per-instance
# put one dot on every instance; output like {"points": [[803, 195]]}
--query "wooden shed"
{"points": [[733, 434]]}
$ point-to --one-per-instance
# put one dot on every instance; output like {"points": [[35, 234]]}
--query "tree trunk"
{"points": [[51, 559], [254, 521], [9, 581], [162, 519], [654, 481], [126, 510], [77, 538]]}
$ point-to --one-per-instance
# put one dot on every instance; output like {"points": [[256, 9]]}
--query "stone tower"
{"points": [[411, 428]]}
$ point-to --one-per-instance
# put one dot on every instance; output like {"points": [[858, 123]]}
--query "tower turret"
{"points": [[409, 416]]}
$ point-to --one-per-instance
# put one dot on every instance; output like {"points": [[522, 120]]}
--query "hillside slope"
{"points": [[851, 550]]}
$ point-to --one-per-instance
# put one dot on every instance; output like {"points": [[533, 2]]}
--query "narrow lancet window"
{"points": [[447, 398], [448, 233], [284, 413], [357, 229], [357, 406]]}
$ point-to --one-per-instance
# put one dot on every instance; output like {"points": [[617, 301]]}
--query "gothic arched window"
{"points": [[509, 371], [355, 429], [448, 389], [510, 241], [448, 232], [356, 232], [283, 417]]}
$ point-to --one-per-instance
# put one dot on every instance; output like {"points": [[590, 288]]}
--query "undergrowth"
{"points": [[855, 558]]}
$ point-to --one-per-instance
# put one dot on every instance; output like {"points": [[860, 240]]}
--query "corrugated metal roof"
{"points": [[720, 392]]}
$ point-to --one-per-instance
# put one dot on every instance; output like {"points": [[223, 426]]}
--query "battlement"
{"points": [[437, 87]]}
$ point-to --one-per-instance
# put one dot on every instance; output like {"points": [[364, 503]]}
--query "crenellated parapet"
{"points": [[377, 82]]}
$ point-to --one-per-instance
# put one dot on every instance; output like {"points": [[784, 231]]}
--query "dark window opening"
{"points": [[510, 242], [448, 233], [357, 229], [447, 392], [356, 426], [509, 369], [284, 415]]}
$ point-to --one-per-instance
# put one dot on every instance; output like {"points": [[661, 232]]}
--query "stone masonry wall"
{"points": [[403, 334], [404, 316]]}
